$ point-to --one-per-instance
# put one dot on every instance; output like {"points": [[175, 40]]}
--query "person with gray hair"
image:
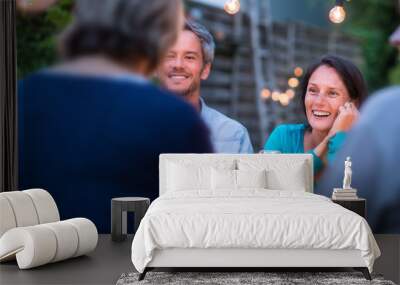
{"points": [[92, 127], [186, 64], [121, 31], [373, 145]]}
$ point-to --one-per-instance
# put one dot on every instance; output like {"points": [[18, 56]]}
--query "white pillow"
{"points": [[251, 179], [191, 174], [223, 179], [282, 174], [294, 180], [188, 177]]}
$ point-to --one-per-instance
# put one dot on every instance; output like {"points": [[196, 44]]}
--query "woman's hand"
{"points": [[348, 115]]}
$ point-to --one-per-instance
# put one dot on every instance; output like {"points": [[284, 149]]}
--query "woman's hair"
{"points": [[348, 72], [122, 29]]}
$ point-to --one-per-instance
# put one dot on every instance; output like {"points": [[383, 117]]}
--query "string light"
{"points": [[284, 99], [337, 14], [275, 96], [232, 6], [298, 71], [290, 93], [293, 82], [265, 93]]}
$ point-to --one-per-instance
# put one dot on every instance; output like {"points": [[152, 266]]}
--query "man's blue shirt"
{"points": [[227, 135]]}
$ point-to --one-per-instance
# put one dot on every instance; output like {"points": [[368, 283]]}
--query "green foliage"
{"points": [[37, 37], [373, 21], [394, 75]]}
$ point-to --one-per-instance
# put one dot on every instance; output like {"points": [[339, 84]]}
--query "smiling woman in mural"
{"points": [[332, 91]]}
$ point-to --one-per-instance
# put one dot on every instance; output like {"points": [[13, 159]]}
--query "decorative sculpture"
{"points": [[347, 174], [347, 192]]}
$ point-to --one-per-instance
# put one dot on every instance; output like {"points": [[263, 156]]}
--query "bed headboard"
{"points": [[274, 161]]}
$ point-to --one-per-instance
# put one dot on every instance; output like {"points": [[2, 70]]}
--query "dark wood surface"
{"points": [[358, 206], [119, 218]]}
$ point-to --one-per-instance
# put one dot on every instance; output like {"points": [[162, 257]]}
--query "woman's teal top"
{"points": [[290, 139]]}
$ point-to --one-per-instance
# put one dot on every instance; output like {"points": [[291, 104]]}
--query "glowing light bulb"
{"points": [[298, 71], [284, 99], [293, 82], [337, 14], [265, 93], [275, 96], [290, 93], [232, 6]]}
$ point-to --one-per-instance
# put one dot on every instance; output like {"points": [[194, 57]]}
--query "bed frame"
{"points": [[245, 259], [260, 259]]}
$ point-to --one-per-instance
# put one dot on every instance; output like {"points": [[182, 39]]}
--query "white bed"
{"points": [[200, 220]]}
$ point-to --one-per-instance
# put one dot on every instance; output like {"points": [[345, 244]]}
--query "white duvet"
{"points": [[250, 219]]}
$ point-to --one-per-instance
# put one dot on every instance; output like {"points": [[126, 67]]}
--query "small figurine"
{"points": [[347, 192], [347, 174]]}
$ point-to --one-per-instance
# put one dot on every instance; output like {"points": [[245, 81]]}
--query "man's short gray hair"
{"points": [[206, 39], [123, 29]]}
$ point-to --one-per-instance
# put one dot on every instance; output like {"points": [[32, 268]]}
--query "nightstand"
{"points": [[358, 205], [119, 209]]}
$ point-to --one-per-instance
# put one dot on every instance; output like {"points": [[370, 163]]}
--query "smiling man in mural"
{"points": [[189, 62]]}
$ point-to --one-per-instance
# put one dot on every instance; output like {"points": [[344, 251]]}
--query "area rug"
{"points": [[244, 278]]}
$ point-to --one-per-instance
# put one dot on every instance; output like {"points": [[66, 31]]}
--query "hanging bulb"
{"points": [[293, 82], [284, 99], [298, 71], [291, 93], [337, 13], [232, 6], [275, 95], [265, 93]]}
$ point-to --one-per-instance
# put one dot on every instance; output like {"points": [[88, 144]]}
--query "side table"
{"points": [[119, 209], [357, 205]]}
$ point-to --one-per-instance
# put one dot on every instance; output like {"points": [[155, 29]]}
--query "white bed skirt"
{"points": [[190, 257]]}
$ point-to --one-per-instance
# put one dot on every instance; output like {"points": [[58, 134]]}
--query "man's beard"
{"points": [[189, 91]]}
